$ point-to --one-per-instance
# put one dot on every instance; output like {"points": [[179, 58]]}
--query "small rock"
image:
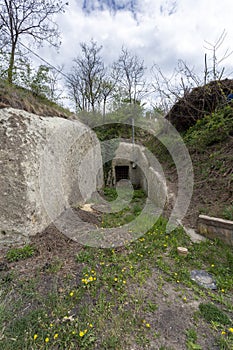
{"points": [[203, 278]]}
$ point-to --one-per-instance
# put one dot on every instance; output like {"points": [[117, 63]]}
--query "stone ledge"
{"points": [[212, 228]]}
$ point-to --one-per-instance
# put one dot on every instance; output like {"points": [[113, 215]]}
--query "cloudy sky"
{"points": [[158, 31]]}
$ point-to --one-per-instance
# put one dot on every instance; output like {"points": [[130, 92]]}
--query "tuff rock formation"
{"points": [[47, 164]]}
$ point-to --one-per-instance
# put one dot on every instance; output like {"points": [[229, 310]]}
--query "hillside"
{"points": [[20, 98]]}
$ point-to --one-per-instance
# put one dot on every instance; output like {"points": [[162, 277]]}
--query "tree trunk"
{"points": [[11, 64]]}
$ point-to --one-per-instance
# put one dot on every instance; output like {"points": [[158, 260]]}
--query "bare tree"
{"points": [[131, 75], [170, 89], [77, 90], [216, 73], [85, 81], [32, 18]]}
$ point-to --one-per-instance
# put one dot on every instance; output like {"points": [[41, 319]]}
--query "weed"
{"points": [[212, 313], [15, 254]]}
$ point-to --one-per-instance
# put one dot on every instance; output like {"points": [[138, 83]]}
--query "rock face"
{"points": [[47, 164]]}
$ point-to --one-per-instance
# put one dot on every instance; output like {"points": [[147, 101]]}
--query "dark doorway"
{"points": [[122, 172]]}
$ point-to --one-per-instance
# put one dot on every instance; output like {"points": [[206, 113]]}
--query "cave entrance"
{"points": [[122, 172]]}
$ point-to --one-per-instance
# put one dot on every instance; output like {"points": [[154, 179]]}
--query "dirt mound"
{"points": [[200, 101]]}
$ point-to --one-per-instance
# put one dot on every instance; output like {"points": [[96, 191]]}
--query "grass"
{"points": [[16, 254], [110, 303]]}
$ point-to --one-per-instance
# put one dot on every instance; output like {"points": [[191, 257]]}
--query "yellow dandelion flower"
{"points": [[178, 281], [81, 333], [115, 279], [223, 332], [71, 294], [51, 325], [90, 279], [46, 340], [124, 282], [147, 325], [73, 332], [90, 325], [223, 290], [55, 336], [212, 265], [94, 279], [35, 336], [230, 329]]}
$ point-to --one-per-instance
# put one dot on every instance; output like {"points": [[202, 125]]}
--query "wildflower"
{"points": [[35, 336], [223, 332], [51, 325], [124, 282], [55, 336], [230, 329], [178, 281], [46, 340], [115, 279], [82, 333], [71, 294], [147, 325], [73, 332], [90, 325], [223, 290], [90, 279], [184, 298], [165, 245], [212, 265]]}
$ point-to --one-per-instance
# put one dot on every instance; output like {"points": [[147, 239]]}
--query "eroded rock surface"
{"points": [[46, 165]]}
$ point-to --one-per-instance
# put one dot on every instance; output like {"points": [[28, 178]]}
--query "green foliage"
{"points": [[212, 313], [15, 254], [191, 340], [227, 213], [211, 129]]}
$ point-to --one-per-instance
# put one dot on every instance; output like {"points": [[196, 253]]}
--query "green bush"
{"points": [[211, 129]]}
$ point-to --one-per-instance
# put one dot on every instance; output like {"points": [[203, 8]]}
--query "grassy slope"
{"points": [[17, 97]]}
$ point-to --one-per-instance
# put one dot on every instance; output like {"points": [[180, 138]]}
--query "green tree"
{"points": [[31, 18]]}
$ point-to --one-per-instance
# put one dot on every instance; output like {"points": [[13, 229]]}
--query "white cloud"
{"points": [[179, 31]]}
